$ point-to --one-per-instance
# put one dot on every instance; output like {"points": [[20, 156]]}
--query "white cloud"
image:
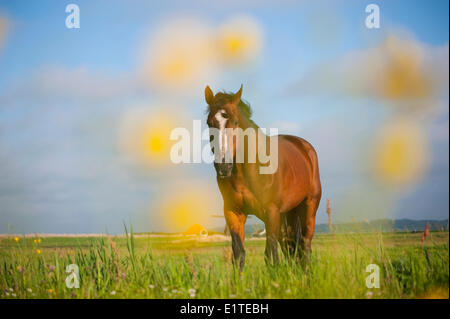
{"points": [[286, 127], [63, 83]]}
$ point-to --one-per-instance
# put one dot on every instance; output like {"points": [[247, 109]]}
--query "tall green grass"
{"points": [[135, 267]]}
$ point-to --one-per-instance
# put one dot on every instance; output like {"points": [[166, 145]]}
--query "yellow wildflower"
{"points": [[16, 239], [38, 251]]}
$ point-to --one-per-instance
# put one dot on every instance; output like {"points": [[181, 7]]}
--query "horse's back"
{"points": [[305, 148]]}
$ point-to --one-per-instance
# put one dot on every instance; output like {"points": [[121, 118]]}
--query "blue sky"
{"points": [[63, 94]]}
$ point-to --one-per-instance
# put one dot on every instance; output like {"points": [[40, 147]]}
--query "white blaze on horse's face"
{"points": [[222, 120]]}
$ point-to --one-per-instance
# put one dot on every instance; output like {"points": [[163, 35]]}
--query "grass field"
{"points": [[190, 267]]}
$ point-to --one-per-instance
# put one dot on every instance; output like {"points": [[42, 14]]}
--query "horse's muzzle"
{"points": [[223, 169]]}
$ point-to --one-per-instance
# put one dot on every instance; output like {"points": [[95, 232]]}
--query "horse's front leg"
{"points": [[272, 235], [236, 222]]}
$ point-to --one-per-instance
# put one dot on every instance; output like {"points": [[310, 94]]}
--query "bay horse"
{"points": [[286, 201]]}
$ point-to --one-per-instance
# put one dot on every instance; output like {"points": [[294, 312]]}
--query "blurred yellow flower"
{"points": [[38, 251], [184, 54], [239, 40], [145, 135], [180, 55], [402, 76], [50, 291], [400, 153], [16, 239], [184, 207], [39, 240]]}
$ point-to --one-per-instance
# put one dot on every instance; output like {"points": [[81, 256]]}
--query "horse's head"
{"points": [[223, 115]]}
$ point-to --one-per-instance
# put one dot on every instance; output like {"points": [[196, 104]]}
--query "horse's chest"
{"points": [[241, 197], [248, 201]]}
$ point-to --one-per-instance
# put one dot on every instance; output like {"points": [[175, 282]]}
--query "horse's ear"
{"points": [[209, 95], [237, 96]]}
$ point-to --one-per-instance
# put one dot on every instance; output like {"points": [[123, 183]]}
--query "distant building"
{"points": [[259, 233]]}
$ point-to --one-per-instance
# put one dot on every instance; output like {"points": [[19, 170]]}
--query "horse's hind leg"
{"points": [[308, 224], [283, 239], [293, 232]]}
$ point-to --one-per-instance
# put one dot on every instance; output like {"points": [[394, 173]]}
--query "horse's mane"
{"points": [[244, 107]]}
